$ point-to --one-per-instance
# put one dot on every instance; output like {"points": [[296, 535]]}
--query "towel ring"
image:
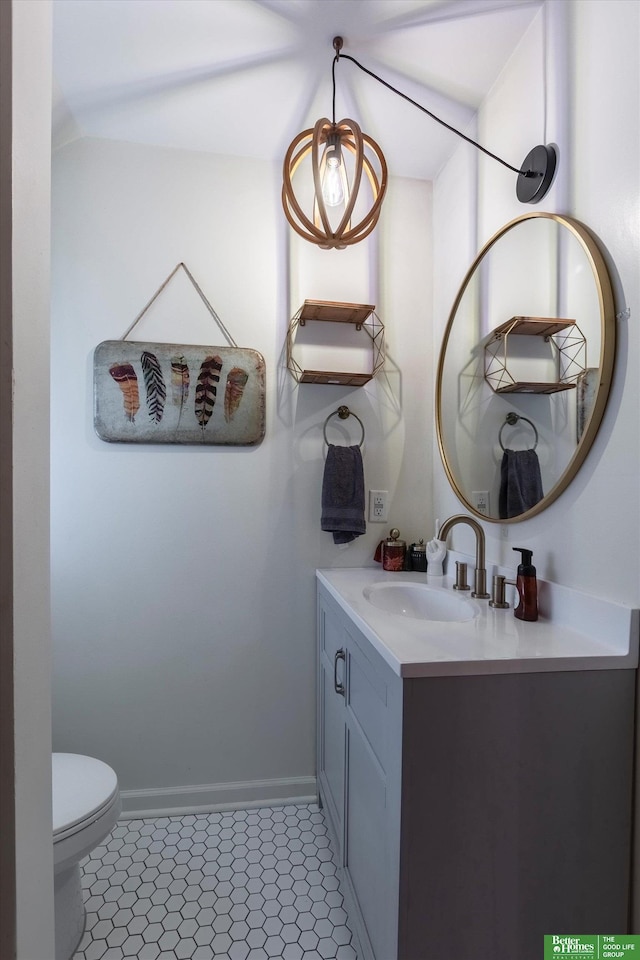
{"points": [[510, 420], [343, 412]]}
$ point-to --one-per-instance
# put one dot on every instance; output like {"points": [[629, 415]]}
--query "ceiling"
{"points": [[243, 77]]}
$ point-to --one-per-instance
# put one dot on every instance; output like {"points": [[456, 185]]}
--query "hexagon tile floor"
{"points": [[240, 885]]}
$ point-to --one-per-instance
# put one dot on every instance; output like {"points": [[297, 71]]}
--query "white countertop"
{"points": [[579, 632]]}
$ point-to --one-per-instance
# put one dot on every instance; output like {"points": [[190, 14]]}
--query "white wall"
{"points": [[183, 577], [589, 537], [29, 448]]}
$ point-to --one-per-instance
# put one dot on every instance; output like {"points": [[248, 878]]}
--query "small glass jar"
{"points": [[418, 556], [392, 552]]}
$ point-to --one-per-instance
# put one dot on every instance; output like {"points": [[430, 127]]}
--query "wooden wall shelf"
{"points": [[570, 349], [534, 386], [361, 315], [532, 326], [333, 312]]}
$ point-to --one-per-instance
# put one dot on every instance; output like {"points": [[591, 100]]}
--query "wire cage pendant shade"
{"points": [[333, 188], [320, 224]]}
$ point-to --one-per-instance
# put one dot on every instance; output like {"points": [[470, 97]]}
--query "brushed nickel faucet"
{"points": [[480, 574]]}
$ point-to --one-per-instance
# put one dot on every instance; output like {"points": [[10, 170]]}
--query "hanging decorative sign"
{"points": [[178, 393]]}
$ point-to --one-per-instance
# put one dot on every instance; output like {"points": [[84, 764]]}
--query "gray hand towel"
{"points": [[343, 494], [520, 482]]}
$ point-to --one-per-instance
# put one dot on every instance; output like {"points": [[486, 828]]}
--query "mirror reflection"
{"points": [[525, 366]]}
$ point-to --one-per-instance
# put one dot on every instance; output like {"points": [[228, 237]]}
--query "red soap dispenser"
{"points": [[527, 587]]}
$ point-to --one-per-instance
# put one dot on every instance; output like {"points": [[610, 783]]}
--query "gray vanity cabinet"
{"points": [[473, 814], [359, 726]]}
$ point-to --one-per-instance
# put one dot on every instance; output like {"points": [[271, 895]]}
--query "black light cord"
{"points": [[333, 79], [345, 56]]}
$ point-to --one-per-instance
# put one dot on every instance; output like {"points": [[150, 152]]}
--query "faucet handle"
{"points": [[498, 593], [461, 576]]}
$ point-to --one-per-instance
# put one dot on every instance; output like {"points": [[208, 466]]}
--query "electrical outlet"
{"points": [[480, 500], [378, 505]]}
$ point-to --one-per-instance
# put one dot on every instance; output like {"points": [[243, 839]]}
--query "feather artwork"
{"points": [[206, 389], [179, 382], [154, 383], [236, 382], [125, 376]]}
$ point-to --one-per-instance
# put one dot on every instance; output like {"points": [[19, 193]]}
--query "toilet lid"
{"points": [[81, 787]]}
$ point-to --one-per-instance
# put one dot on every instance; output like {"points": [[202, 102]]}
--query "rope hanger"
{"points": [[221, 326]]}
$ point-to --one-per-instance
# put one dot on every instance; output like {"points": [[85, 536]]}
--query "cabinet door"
{"points": [[368, 830], [331, 716]]}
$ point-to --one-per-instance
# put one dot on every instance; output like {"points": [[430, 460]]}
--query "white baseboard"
{"points": [[209, 797]]}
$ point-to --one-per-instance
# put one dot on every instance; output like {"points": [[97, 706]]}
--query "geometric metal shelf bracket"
{"points": [[360, 315], [569, 351]]}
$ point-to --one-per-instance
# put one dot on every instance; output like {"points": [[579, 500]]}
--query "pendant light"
{"points": [[347, 184], [345, 206]]}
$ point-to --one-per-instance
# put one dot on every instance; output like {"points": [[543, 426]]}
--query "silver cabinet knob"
{"points": [[337, 685]]}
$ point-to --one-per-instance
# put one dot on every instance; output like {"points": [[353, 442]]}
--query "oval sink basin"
{"points": [[419, 601]]}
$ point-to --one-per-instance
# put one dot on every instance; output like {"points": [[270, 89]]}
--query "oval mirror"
{"points": [[525, 366]]}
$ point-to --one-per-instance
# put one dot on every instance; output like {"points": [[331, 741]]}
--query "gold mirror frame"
{"points": [[605, 366]]}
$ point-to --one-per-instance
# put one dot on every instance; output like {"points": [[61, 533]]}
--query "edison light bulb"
{"points": [[335, 191], [332, 182]]}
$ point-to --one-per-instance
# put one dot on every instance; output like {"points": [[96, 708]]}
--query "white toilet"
{"points": [[86, 806]]}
